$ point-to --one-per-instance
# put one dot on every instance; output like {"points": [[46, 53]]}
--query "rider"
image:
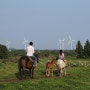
{"points": [[61, 56], [30, 53]]}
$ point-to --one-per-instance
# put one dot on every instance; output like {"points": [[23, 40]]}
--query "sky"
{"points": [[44, 22]]}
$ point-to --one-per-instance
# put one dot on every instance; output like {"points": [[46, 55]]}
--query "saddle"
{"points": [[30, 59]]}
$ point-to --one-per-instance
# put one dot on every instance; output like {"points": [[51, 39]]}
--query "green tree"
{"points": [[79, 50], [3, 51], [87, 49]]}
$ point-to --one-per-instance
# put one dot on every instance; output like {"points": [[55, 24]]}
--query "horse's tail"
{"points": [[19, 64], [20, 67]]}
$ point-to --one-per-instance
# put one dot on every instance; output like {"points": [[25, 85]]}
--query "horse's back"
{"points": [[22, 60], [48, 65], [60, 63]]}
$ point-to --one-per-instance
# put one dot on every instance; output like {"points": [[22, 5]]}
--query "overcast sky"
{"points": [[44, 22]]}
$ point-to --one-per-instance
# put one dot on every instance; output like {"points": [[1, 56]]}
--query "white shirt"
{"points": [[61, 56], [30, 50]]}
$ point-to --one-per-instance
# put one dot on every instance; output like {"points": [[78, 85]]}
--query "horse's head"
{"points": [[37, 56], [53, 60]]}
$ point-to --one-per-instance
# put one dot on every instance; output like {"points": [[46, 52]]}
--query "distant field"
{"points": [[77, 78]]}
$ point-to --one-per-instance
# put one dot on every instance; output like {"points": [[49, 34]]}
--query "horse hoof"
{"points": [[20, 78], [32, 77], [47, 76]]}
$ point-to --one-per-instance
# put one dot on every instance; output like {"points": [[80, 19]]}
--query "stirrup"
{"points": [[34, 65]]}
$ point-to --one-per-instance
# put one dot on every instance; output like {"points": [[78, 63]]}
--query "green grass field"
{"points": [[77, 78]]}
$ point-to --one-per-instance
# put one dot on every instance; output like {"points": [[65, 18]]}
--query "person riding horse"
{"points": [[28, 62], [61, 56]]}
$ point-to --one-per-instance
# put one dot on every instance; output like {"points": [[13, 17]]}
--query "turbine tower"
{"points": [[61, 43], [25, 43], [70, 41], [8, 44]]}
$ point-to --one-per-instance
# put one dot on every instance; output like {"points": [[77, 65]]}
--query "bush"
{"points": [[3, 51]]}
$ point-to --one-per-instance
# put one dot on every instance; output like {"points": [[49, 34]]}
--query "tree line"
{"points": [[79, 52], [83, 51]]}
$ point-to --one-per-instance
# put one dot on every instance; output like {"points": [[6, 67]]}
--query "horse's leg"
{"points": [[58, 71], [61, 72], [20, 69], [52, 72], [20, 72], [32, 73], [23, 72], [65, 71], [47, 72]]}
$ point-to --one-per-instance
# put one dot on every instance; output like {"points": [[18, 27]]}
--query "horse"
{"points": [[49, 67], [25, 63], [60, 66]]}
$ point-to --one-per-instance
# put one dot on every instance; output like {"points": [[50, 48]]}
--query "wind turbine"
{"points": [[70, 41], [25, 42], [61, 43], [7, 44]]}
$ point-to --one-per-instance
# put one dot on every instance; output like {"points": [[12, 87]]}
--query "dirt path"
{"points": [[16, 79]]}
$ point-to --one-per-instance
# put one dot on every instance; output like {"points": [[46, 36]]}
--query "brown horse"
{"points": [[25, 63], [49, 67]]}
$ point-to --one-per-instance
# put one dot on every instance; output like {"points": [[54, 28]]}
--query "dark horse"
{"points": [[22, 65]]}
